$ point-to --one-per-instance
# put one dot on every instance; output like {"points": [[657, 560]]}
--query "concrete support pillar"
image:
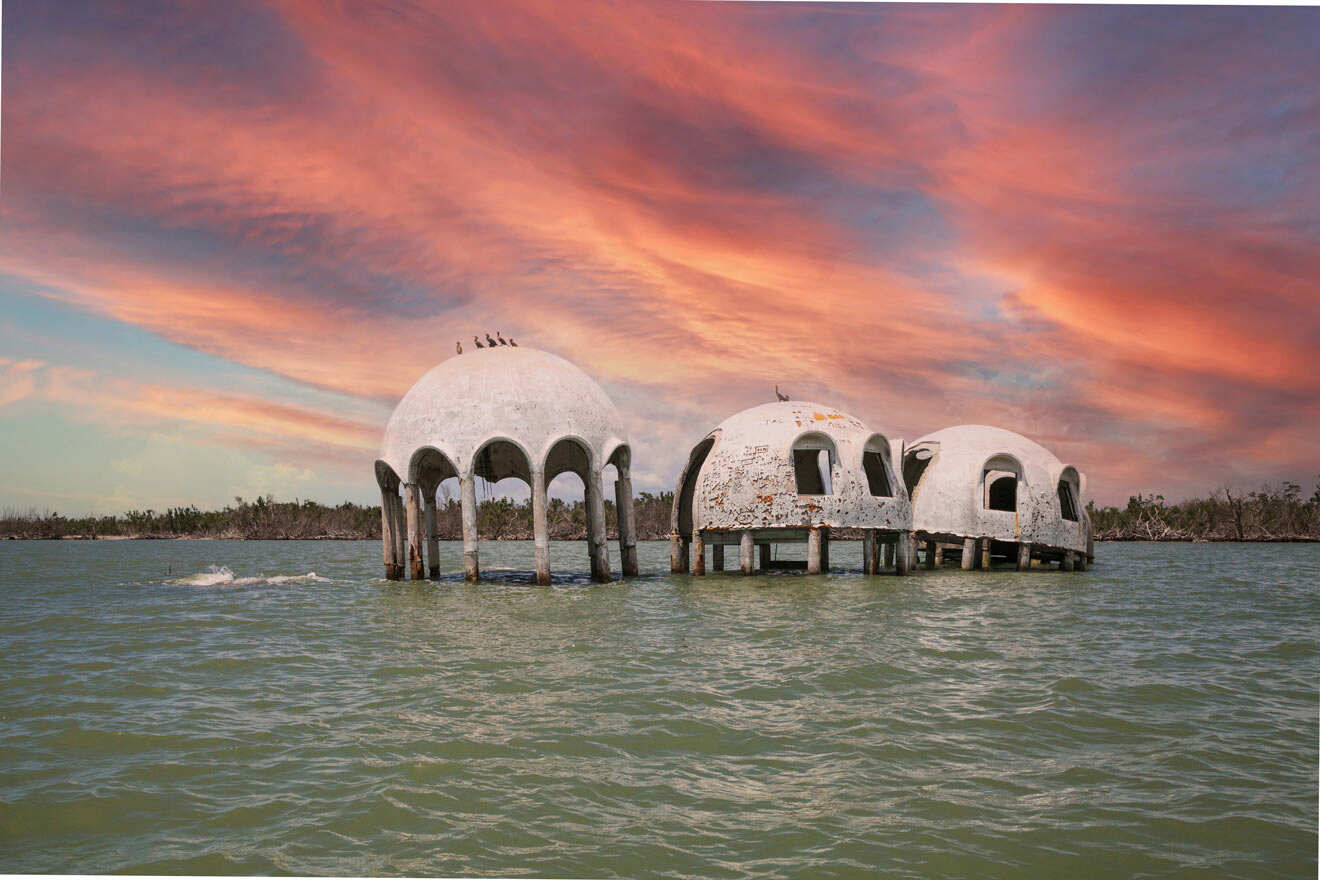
{"points": [[596, 546], [416, 536], [1069, 561], [1081, 561], [1024, 556], [698, 554], [824, 548], [887, 555], [432, 536], [467, 492], [931, 550], [868, 551], [400, 533], [678, 554], [540, 528], [903, 548], [763, 550], [985, 553], [746, 560], [623, 507], [388, 543], [813, 550], [969, 554], [939, 554], [717, 557]]}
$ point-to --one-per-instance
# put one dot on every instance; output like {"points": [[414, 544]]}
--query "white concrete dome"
{"points": [[791, 465], [976, 481], [497, 413]]}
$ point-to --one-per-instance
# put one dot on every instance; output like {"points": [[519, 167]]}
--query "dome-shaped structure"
{"points": [[507, 411], [977, 483], [783, 472], [532, 399]]}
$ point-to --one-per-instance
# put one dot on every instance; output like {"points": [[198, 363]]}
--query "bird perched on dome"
{"points": [[478, 342], [780, 394], [458, 346], [511, 342], [502, 340], [490, 343]]}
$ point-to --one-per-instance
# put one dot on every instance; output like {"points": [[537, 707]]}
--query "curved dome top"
{"points": [[745, 473], [530, 398], [951, 473]]}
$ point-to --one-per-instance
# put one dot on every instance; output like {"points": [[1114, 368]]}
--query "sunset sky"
{"points": [[233, 234]]}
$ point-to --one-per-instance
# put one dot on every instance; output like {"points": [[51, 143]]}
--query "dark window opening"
{"points": [[1002, 494], [1067, 501], [877, 475], [811, 467]]}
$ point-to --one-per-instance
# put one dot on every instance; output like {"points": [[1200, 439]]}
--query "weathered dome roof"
{"points": [[948, 495], [742, 475], [530, 398]]}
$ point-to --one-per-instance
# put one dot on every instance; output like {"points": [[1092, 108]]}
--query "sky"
{"points": [[233, 235]]}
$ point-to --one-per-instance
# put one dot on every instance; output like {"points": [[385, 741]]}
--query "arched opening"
{"points": [[617, 466], [687, 484], [876, 464], [915, 462], [999, 483], [814, 459], [1069, 506], [429, 467], [566, 513], [503, 471]]}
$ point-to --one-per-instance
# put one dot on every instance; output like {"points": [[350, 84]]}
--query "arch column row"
{"points": [[408, 525]]}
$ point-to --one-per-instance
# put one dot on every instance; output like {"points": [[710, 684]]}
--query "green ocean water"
{"points": [[275, 707]]}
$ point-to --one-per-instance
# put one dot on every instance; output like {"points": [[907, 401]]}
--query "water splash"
{"points": [[223, 576]]}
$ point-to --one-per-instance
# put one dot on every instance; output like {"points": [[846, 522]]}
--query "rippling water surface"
{"points": [[272, 707]]}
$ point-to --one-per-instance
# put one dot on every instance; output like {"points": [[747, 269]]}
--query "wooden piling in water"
{"points": [[717, 557], [930, 554], [868, 551], [1068, 562], [698, 554], [764, 553], [1024, 556], [746, 561]]}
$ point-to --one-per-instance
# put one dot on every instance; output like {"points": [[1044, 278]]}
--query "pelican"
{"points": [[781, 395], [478, 342]]}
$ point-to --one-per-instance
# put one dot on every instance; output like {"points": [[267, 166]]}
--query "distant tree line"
{"points": [[1273, 513], [266, 518]]}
